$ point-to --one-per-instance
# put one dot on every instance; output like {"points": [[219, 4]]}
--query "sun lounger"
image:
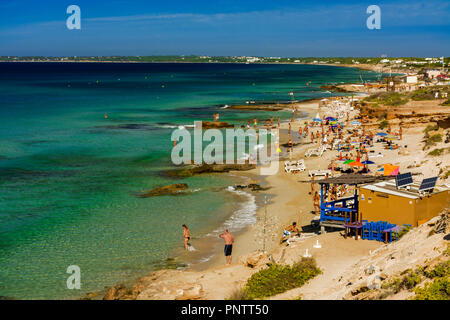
{"points": [[294, 166], [315, 152], [376, 155], [319, 172], [303, 236]]}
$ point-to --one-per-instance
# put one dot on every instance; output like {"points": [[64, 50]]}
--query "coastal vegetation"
{"points": [[436, 152], [429, 128], [277, 279], [426, 282], [383, 124], [388, 98], [395, 99], [432, 140]]}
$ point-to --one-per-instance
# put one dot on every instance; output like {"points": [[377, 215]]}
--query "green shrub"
{"points": [[430, 128], [422, 94], [238, 294], [439, 289], [410, 281], [431, 141], [404, 231], [388, 98], [440, 270], [277, 278], [436, 152], [383, 124], [446, 175]]}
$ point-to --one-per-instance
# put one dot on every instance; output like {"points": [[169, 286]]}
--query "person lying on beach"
{"points": [[229, 240], [288, 232], [187, 237]]}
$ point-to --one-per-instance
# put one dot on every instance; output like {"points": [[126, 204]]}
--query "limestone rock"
{"points": [[192, 293], [216, 125], [171, 189], [255, 260], [117, 292]]}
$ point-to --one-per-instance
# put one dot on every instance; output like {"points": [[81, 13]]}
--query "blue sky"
{"points": [[225, 27]]}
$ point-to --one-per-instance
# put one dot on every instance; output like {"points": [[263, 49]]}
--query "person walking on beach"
{"points": [[229, 240], [312, 186], [316, 203], [187, 236]]}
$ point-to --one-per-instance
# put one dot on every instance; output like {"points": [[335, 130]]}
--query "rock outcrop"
{"points": [[216, 125], [210, 168], [251, 186], [173, 189]]}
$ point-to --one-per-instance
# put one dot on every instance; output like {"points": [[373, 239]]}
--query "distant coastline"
{"points": [[367, 67]]}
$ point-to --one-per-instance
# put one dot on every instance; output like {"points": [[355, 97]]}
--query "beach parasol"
{"points": [[317, 120], [357, 164], [349, 161], [390, 170], [330, 119], [356, 123], [368, 162], [382, 134]]}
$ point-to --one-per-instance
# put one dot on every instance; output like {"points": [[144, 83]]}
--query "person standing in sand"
{"points": [[229, 240], [316, 203], [187, 236]]}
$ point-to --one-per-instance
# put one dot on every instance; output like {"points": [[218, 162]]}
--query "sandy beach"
{"points": [[290, 200]]}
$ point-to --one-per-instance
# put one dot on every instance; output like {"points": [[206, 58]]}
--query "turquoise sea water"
{"points": [[69, 177]]}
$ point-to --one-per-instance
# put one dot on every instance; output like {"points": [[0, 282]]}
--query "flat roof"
{"points": [[390, 187]]}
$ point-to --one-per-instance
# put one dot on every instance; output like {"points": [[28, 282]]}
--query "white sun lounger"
{"points": [[315, 152], [294, 166], [319, 172], [376, 155]]}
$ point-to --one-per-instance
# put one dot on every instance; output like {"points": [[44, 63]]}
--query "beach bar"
{"points": [[343, 212], [384, 201]]}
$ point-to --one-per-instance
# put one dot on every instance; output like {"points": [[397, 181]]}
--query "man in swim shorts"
{"points": [[229, 240], [289, 230]]}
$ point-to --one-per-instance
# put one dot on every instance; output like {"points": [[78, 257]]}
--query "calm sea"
{"points": [[69, 177]]}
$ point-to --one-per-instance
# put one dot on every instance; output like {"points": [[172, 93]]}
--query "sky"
{"points": [[277, 28]]}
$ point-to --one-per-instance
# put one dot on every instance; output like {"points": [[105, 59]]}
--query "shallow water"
{"points": [[69, 177]]}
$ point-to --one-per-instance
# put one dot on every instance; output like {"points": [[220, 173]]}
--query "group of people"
{"points": [[226, 236]]}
